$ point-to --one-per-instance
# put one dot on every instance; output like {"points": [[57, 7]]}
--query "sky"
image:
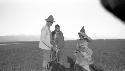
{"points": [[27, 17]]}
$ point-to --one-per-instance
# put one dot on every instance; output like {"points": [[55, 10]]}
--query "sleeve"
{"points": [[52, 38], [59, 41], [88, 38], [88, 52], [43, 37], [77, 46], [62, 39], [42, 34], [53, 33]]}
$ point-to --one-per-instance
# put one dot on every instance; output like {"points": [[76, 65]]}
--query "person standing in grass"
{"points": [[83, 53], [45, 42], [58, 39]]}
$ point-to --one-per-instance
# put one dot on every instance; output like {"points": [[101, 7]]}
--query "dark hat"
{"points": [[50, 19], [82, 32]]}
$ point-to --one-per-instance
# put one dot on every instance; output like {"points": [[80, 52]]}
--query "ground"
{"points": [[27, 56]]}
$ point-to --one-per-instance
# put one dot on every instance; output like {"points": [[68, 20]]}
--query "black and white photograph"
{"points": [[62, 35]]}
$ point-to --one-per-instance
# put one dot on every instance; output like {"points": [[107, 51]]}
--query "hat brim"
{"points": [[80, 33], [48, 20]]}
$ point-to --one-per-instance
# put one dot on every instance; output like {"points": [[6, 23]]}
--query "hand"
{"points": [[58, 49], [54, 48], [52, 42]]}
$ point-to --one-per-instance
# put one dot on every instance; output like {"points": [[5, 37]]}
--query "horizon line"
{"points": [[66, 38]]}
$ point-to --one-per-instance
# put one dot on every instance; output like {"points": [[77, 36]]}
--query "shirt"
{"points": [[59, 39], [82, 46], [45, 38], [84, 56]]}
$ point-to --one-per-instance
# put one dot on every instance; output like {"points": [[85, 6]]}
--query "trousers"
{"points": [[46, 59]]}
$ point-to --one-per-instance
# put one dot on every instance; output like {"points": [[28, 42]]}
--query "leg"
{"points": [[53, 55], [86, 67], [58, 56], [44, 66], [46, 59]]}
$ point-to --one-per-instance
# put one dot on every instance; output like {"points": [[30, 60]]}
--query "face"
{"points": [[49, 23], [57, 29], [81, 37]]}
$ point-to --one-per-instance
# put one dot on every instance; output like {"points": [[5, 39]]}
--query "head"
{"points": [[49, 23], [57, 28], [81, 36], [50, 20]]}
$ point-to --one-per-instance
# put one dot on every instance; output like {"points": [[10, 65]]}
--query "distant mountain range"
{"points": [[12, 38], [19, 38]]}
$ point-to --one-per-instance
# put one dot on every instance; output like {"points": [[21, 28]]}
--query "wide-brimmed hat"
{"points": [[50, 19]]}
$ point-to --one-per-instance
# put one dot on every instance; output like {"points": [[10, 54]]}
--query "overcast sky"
{"points": [[27, 17]]}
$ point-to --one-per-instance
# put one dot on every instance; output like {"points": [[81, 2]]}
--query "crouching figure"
{"points": [[83, 53]]}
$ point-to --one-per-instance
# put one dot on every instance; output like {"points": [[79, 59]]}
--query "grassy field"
{"points": [[27, 56]]}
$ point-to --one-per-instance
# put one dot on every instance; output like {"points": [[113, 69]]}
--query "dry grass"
{"points": [[108, 54]]}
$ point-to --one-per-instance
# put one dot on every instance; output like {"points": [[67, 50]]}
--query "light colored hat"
{"points": [[50, 18]]}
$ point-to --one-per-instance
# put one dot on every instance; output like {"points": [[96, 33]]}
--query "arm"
{"points": [[44, 39], [62, 40], [87, 38], [52, 38], [77, 47], [59, 40], [89, 51]]}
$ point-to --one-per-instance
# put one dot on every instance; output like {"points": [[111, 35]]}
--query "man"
{"points": [[45, 40], [58, 38]]}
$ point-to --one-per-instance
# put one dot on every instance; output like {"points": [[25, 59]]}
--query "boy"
{"points": [[58, 39]]}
